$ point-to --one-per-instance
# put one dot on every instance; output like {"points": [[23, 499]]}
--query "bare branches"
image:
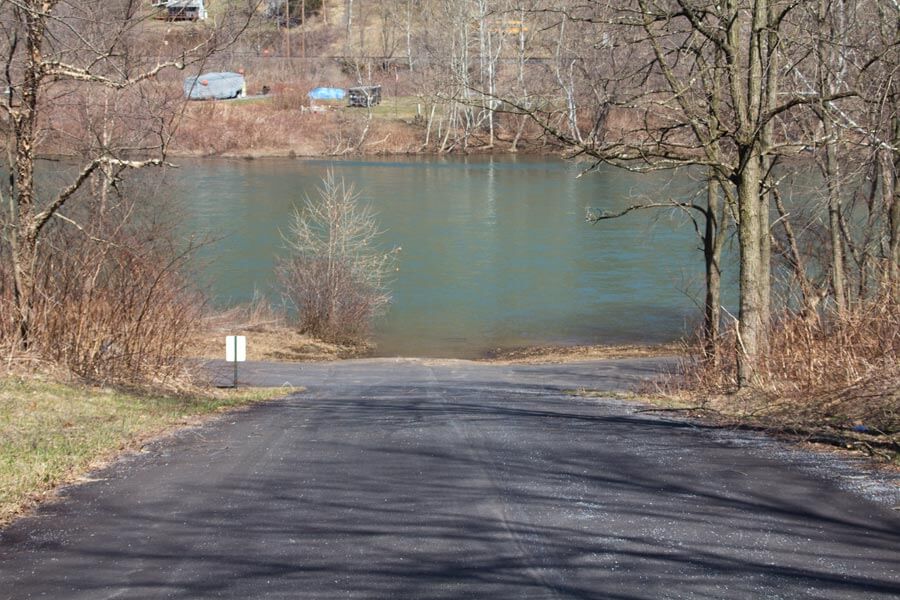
{"points": [[67, 54], [63, 71], [41, 218], [336, 276], [595, 217]]}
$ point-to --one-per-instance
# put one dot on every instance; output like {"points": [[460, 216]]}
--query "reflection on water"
{"points": [[496, 252]]}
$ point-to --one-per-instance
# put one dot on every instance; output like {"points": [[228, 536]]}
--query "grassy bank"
{"points": [[270, 336], [51, 434], [563, 354]]}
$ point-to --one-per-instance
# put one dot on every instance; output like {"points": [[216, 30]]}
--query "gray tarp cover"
{"points": [[216, 86]]}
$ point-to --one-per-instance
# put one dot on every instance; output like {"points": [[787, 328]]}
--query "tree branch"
{"points": [[62, 70], [42, 217], [594, 217]]}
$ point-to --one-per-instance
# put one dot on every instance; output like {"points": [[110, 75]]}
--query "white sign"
{"points": [[235, 348]]}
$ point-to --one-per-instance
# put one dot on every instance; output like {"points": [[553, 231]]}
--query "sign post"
{"points": [[235, 351]]}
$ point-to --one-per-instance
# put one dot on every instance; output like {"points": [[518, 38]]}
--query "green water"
{"points": [[496, 252]]}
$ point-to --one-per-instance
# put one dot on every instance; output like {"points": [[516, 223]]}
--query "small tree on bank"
{"points": [[335, 275]]}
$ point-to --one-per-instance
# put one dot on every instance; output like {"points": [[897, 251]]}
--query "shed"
{"points": [[366, 95], [214, 86]]}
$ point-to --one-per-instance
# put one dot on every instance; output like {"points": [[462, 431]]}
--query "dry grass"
{"points": [[246, 128], [828, 378], [405, 108], [52, 434], [269, 337], [113, 300], [563, 354], [277, 127]]}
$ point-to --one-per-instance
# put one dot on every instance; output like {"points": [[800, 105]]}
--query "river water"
{"points": [[495, 252]]}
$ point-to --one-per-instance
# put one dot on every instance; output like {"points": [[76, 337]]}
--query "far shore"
{"points": [[264, 153], [301, 153]]}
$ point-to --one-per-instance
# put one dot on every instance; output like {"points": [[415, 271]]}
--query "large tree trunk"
{"points": [[753, 230], [768, 58], [24, 243], [24, 261], [751, 272], [891, 190], [765, 259]]}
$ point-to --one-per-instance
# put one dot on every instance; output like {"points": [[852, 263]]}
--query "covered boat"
{"points": [[214, 86]]}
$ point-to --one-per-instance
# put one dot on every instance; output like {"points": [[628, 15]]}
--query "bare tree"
{"points": [[54, 51], [336, 275], [884, 131], [702, 84], [710, 218]]}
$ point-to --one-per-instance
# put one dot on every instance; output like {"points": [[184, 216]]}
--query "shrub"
{"points": [[113, 302], [335, 275], [820, 370]]}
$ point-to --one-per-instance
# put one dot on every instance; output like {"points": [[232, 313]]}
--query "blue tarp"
{"points": [[214, 86], [325, 93]]}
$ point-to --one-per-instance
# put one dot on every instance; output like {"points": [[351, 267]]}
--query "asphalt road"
{"points": [[416, 479]]}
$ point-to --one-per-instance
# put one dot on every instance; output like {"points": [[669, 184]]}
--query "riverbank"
{"points": [[52, 434], [269, 337], [858, 420], [562, 354], [284, 125]]}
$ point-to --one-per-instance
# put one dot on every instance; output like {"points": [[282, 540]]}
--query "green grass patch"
{"points": [[396, 107], [51, 433]]}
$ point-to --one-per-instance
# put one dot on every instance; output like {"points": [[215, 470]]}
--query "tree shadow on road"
{"points": [[454, 492]]}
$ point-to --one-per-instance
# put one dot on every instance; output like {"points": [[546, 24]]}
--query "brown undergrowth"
{"points": [[563, 354], [269, 336], [828, 378], [113, 301]]}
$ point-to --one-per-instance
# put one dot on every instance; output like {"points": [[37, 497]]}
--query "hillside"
{"points": [[425, 107]]}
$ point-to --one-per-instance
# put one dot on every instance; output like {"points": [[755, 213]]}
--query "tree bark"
{"points": [[832, 175], [24, 247], [765, 258], [713, 240], [891, 191], [750, 319], [753, 230]]}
